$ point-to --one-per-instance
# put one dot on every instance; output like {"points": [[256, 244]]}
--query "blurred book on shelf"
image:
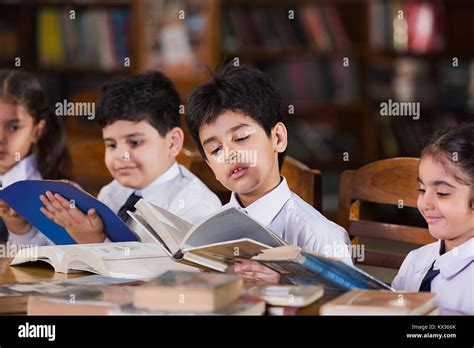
{"points": [[306, 81], [407, 26], [88, 38], [281, 27], [8, 40]]}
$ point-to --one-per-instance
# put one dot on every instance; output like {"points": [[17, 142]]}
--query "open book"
{"points": [[306, 267], [215, 242], [23, 197], [132, 260]]}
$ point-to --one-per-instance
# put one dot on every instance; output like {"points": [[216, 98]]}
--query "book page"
{"points": [[125, 250], [52, 255], [229, 224], [146, 233], [169, 227]]}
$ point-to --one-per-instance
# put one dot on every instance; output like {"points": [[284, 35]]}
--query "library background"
{"points": [[335, 62]]}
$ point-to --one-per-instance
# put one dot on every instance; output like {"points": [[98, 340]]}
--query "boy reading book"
{"points": [[237, 124], [139, 116]]}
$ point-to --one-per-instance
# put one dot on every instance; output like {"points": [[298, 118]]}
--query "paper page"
{"points": [[229, 224], [124, 250]]}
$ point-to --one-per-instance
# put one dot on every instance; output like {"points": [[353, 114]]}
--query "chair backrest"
{"points": [[304, 181], [88, 165], [393, 182]]}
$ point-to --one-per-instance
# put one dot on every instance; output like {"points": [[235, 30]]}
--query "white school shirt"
{"points": [[297, 222], [453, 286], [26, 169], [176, 190]]}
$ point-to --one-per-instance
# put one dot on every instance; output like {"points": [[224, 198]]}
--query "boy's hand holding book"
{"points": [[14, 222], [83, 228], [255, 270]]}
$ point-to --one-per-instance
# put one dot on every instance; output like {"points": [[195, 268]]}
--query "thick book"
{"points": [[305, 267], [123, 260], [215, 242], [117, 301], [185, 291], [14, 297], [85, 300], [23, 197], [374, 302], [287, 295]]}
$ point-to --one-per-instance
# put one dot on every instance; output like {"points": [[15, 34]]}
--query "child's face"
{"points": [[241, 155], [17, 133], [136, 154], [445, 204]]}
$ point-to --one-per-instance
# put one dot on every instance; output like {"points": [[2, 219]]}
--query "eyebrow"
{"points": [[126, 136], [230, 130], [436, 182]]}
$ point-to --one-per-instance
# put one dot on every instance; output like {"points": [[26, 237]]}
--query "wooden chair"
{"points": [[304, 181], [88, 166], [391, 181]]}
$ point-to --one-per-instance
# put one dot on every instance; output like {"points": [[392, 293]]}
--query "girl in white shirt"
{"points": [[446, 201], [32, 146]]}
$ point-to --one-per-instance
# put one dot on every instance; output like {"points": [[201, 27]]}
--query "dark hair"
{"points": [[454, 149], [22, 88], [239, 89], [146, 97]]}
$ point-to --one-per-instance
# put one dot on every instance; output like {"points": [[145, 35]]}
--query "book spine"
{"points": [[314, 266]]}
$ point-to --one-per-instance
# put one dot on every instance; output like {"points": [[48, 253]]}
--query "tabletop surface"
{"points": [[43, 272]]}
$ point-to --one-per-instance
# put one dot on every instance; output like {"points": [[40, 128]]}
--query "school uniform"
{"points": [[176, 190], [297, 222], [450, 275], [26, 169]]}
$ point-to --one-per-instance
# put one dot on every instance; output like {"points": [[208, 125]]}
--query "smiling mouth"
{"points": [[433, 219], [125, 169]]}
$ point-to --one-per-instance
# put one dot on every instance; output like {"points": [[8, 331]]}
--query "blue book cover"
{"points": [[339, 273], [23, 197]]}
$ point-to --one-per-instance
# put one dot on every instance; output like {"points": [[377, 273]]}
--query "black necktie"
{"points": [[129, 205], [3, 232], [429, 276]]}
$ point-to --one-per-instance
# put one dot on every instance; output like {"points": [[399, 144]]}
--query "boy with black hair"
{"points": [[237, 124], [139, 117]]}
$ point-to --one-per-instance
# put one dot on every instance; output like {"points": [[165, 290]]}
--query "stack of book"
{"points": [[174, 292]]}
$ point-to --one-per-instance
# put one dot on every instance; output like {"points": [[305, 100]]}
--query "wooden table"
{"points": [[28, 274], [38, 273]]}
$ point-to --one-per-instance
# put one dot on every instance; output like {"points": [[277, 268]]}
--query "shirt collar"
{"points": [[267, 207], [23, 170], [456, 260], [169, 174]]}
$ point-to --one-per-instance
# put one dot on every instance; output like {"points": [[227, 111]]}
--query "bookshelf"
{"points": [[336, 107]]}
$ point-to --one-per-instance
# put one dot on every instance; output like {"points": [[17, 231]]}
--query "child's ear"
{"points": [[175, 138], [38, 130], [279, 137]]}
